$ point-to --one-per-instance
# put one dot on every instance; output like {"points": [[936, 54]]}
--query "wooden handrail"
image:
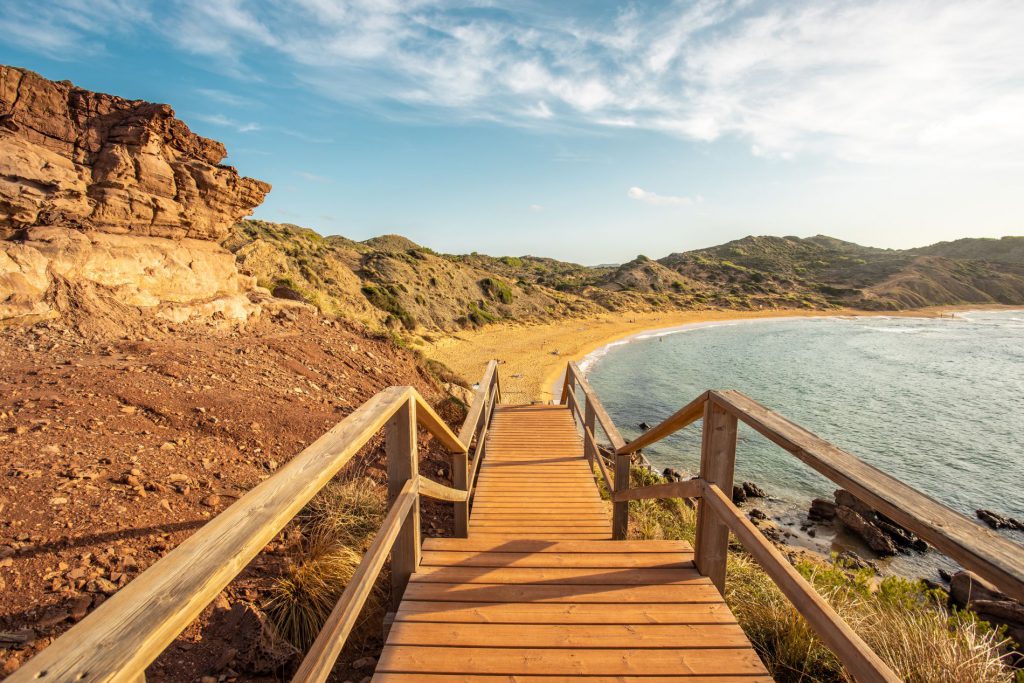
{"points": [[602, 415], [319, 661], [127, 632], [687, 415], [858, 658], [976, 547], [438, 491], [608, 481], [691, 488], [475, 425]]}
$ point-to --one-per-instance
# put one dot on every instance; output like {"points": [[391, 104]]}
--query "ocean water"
{"points": [[935, 402]]}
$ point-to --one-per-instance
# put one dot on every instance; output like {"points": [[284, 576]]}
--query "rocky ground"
{"points": [[113, 452]]}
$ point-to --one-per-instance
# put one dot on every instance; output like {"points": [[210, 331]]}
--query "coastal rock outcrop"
{"points": [[968, 590], [880, 533], [998, 521], [116, 196]]}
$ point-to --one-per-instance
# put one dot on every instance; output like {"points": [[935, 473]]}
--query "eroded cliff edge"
{"points": [[109, 203]]}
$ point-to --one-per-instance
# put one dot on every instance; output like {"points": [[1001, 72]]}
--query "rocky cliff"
{"points": [[118, 197]]}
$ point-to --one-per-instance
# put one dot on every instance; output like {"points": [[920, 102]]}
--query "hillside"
{"points": [[392, 281]]}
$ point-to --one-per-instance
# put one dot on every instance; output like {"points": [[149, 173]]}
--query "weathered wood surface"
{"points": [[717, 464], [684, 417], [976, 547], [475, 425], [539, 592], [691, 488]]}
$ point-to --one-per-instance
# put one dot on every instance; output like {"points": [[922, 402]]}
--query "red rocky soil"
{"points": [[113, 452]]}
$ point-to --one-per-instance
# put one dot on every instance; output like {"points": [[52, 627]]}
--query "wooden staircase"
{"points": [[540, 583], [539, 591]]}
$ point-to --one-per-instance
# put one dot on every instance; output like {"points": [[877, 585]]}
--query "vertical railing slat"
{"points": [[403, 466], [717, 464]]}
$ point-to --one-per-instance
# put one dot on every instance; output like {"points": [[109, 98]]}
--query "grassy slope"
{"points": [[390, 280]]}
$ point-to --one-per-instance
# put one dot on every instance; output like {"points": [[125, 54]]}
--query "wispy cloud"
{"points": [[920, 81], [536, 208], [227, 122], [655, 199], [313, 177]]}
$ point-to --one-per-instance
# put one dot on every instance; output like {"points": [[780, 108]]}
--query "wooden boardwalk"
{"points": [[539, 592]]}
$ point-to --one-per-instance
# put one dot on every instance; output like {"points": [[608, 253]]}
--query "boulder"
{"points": [[821, 509], [99, 162], [739, 496], [966, 587], [752, 490], [876, 539], [672, 474]]}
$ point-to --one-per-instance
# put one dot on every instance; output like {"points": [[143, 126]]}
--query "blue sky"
{"points": [[580, 130]]}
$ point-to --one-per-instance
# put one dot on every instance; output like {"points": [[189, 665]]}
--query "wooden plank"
{"points": [[976, 547], [476, 408], [146, 615], [546, 636], [573, 661], [602, 560], [519, 678], [481, 592], [566, 613], [432, 422], [531, 546], [856, 656], [691, 488], [609, 482], [317, 664], [687, 415], [589, 576], [717, 465], [438, 491], [403, 465]]}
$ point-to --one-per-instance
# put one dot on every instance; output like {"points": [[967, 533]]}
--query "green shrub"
{"points": [[385, 299], [496, 290]]}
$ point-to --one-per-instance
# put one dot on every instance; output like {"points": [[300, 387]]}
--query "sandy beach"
{"points": [[533, 356]]}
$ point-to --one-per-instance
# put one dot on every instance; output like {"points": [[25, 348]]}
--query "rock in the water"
{"points": [[876, 539], [966, 586], [848, 558], [757, 514], [967, 589], [644, 426], [998, 521], [739, 496], [753, 490], [821, 509], [672, 475], [847, 499]]}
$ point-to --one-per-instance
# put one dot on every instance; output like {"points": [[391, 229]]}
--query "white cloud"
{"points": [[536, 208], [906, 81], [227, 122], [655, 199]]}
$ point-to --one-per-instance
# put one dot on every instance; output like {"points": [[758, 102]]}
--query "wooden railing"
{"points": [[126, 633], [975, 547]]}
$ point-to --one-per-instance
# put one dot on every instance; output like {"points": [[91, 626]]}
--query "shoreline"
{"points": [[534, 355]]}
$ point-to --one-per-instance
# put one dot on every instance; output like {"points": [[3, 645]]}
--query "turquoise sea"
{"points": [[936, 402]]}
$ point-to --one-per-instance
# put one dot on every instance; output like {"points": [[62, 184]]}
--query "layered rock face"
{"points": [[115, 193]]}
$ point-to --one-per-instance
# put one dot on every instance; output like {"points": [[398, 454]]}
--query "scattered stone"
{"points": [[739, 496], [80, 607], [52, 617], [364, 663], [757, 514], [211, 501], [998, 521], [849, 558], [944, 575]]}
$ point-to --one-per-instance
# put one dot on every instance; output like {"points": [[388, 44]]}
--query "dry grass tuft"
{"points": [[337, 526]]}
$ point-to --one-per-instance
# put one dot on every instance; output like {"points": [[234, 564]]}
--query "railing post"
{"points": [[460, 480], [590, 422], [717, 464], [620, 511], [403, 465]]}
